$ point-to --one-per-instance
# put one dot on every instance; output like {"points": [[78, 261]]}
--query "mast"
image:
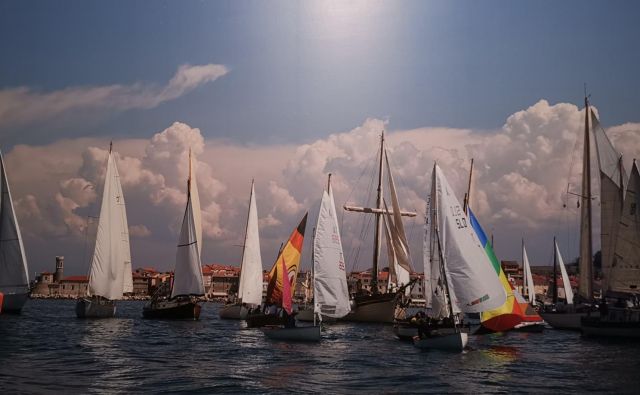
{"points": [[378, 234], [555, 272], [467, 196], [586, 248]]}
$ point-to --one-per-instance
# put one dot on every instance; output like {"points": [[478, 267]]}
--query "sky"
{"points": [[284, 92]]}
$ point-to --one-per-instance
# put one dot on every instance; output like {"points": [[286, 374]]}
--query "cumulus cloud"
{"points": [[23, 105], [520, 182]]}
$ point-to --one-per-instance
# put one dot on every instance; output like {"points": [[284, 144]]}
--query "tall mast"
{"points": [[586, 248], [378, 234], [555, 272]]}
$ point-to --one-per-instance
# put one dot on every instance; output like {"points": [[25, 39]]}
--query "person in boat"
{"points": [[272, 310]]}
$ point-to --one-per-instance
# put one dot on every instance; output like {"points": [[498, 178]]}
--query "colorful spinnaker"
{"points": [[289, 260]]}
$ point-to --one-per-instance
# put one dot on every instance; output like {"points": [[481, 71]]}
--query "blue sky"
{"points": [[276, 75], [299, 70]]}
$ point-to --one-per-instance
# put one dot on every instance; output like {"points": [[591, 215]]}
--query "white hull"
{"points": [[95, 308], [233, 312], [301, 333], [446, 341], [382, 311], [13, 303], [566, 320]]}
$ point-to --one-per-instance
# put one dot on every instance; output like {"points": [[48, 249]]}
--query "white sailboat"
{"points": [[462, 277], [110, 274], [528, 289], [187, 283], [377, 306], [14, 274], [250, 284]]}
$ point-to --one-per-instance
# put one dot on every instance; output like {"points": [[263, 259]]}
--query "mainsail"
{"points": [[250, 288], [528, 277], [195, 202], [331, 293], [111, 257], [290, 253], [14, 274], [398, 275], [469, 277], [612, 176], [187, 275], [566, 284], [625, 270]]}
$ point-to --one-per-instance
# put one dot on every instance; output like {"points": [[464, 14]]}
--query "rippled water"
{"points": [[47, 349]]}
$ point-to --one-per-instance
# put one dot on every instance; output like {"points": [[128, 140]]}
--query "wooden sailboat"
{"points": [[462, 279], [290, 253], [110, 275], [585, 301], [378, 306], [14, 274], [620, 312], [250, 284], [187, 284]]}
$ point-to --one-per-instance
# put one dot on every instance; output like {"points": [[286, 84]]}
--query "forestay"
{"points": [[250, 288], [14, 275], [330, 281]]}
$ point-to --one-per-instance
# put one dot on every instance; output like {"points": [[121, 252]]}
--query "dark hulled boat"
{"points": [[181, 308]]}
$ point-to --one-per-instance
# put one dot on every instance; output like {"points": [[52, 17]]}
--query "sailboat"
{"points": [[250, 284], [462, 279], [329, 277], [611, 179], [110, 275], [379, 306], [187, 284], [622, 318], [14, 274], [528, 287], [290, 254]]}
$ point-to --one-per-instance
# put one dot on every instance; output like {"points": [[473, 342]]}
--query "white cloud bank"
{"points": [[23, 105], [520, 180]]}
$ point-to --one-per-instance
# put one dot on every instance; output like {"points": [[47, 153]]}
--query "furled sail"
{"points": [[290, 253], [625, 270], [329, 275], [612, 176], [187, 276], [566, 284], [528, 277], [250, 289], [14, 274], [472, 283], [111, 252]]}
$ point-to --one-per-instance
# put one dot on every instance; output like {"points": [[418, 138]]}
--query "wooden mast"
{"points": [[467, 196], [378, 235], [586, 248]]}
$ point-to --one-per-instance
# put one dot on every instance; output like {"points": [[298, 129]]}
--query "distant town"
{"points": [[220, 281]]}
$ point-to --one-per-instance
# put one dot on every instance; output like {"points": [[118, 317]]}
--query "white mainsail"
{"points": [[625, 270], [187, 276], [399, 238], [612, 176], [398, 275], [566, 284], [14, 274], [472, 283], [528, 279], [111, 256], [250, 288], [329, 276]]}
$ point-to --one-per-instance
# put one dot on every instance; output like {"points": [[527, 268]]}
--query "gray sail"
{"points": [[625, 270], [611, 194], [14, 275]]}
